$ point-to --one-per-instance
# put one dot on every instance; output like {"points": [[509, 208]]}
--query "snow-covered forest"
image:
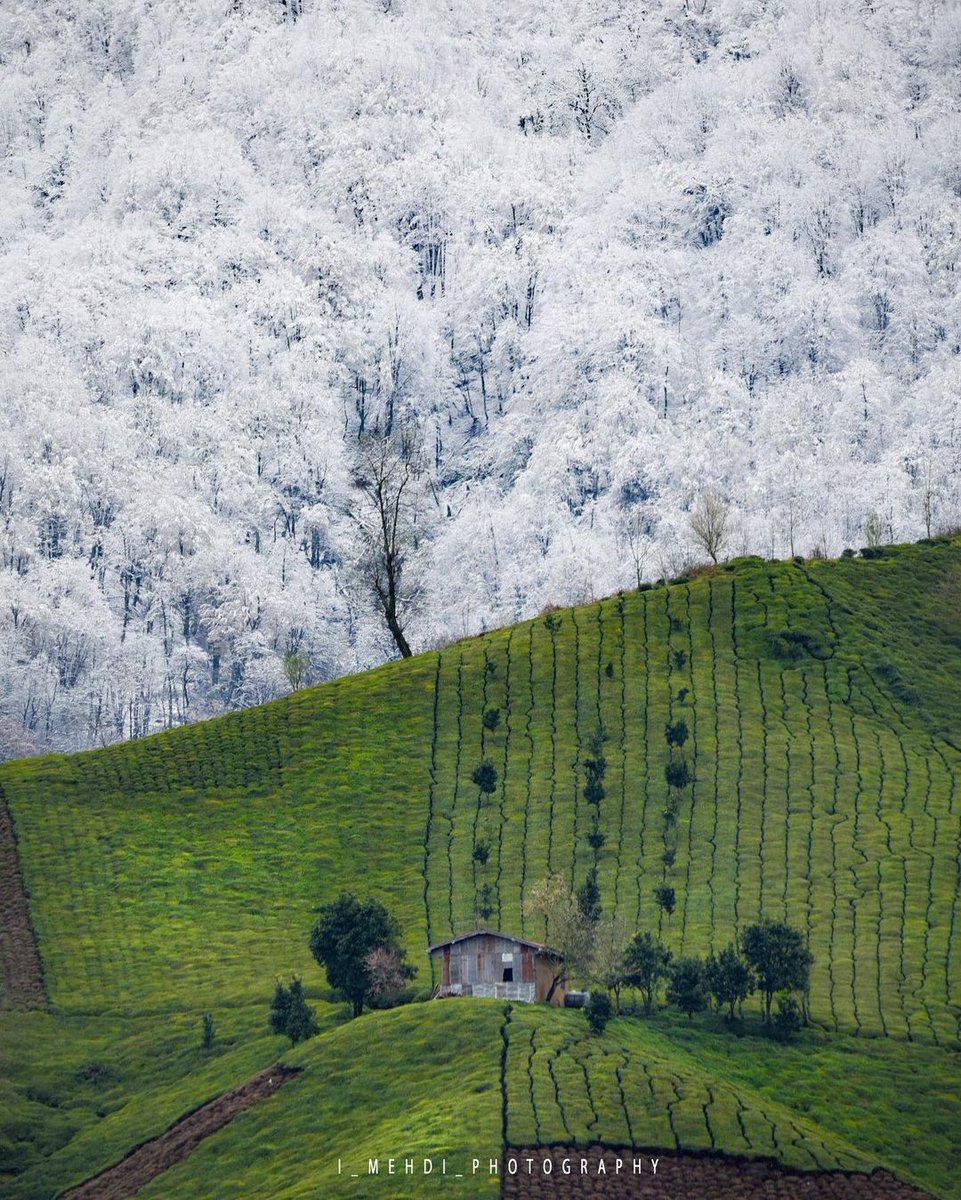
{"points": [[529, 278]]}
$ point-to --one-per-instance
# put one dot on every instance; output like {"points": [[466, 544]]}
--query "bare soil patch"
{"points": [[21, 970], [146, 1161], [708, 1176]]}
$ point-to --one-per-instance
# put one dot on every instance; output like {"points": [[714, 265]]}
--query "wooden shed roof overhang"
{"points": [[537, 947]]}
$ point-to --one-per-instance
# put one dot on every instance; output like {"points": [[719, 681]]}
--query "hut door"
{"points": [[527, 966]]}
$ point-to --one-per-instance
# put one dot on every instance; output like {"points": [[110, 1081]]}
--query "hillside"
{"points": [[595, 257], [179, 874]]}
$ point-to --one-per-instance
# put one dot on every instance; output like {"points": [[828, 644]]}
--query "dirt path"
{"points": [[21, 971], [144, 1162], [687, 1177]]}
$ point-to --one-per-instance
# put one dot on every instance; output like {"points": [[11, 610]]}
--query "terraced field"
{"points": [[823, 706]]}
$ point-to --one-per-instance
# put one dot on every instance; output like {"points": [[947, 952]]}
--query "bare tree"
{"points": [[388, 468], [709, 523], [637, 543], [566, 927], [874, 528]]}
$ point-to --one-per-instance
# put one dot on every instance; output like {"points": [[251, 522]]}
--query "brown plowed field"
{"points": [[21, 971], [146, 1161], [688, 1177]]}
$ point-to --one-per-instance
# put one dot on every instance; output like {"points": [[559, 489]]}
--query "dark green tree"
{"points": [[729, 978], [687, 985], [346, 932], [666, 898], [677, 733], [589, 897], [780, 959], [646, 963], [492, 717], [599, 1011], [485, 776], [677, 774], [290, 1014]]}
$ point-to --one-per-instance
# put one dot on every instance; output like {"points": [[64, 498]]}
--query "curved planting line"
{"points": [[577, 746], [894, 857], [453, 804], [926, 959], [623, 748], [670, 1106], [595, 1115], [740, 760], [21, 967], [503, 788], [430, 812], [809, 727], [694, 760], [553, 788], [952, 922], [834, 854], [551, 1060], [505, 1046], [647, 757], [707, 1119], [856, 846], [829, 603], [717, 762], [530, 1082], [742, 1108], [919, 990], [620, 1087], [800, 1142], [530, 770]]}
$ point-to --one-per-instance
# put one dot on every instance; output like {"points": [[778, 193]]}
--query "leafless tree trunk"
{"points": [[709, 523], [386, 475]]}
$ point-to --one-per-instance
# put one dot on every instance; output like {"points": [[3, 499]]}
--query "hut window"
{"points": [[508, 974]]}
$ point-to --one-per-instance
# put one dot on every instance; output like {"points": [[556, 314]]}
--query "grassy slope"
{"points": [[825, 789]]}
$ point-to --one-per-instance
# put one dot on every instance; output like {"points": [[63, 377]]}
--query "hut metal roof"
{"points": [[538, 947]]}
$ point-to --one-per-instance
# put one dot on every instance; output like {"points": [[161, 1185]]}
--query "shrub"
{"points": [[485, 776], [492, 718], [668, 857], [609, 670], [666, 898], [599, 1011], [787, 1018], [682, 695], [594, 791], [485, 905], [596, 838], [290, 1014], [872, 552], [209, 1033], [677, 733], [589, 897], [847, 553], [679, 659], [677, 774], [793, 643], [482, 852]]}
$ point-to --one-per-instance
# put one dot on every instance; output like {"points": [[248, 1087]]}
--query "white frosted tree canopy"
{"points": [[596, 260]]}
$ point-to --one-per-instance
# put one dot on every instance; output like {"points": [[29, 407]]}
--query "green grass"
{"points": [[823, 699]]}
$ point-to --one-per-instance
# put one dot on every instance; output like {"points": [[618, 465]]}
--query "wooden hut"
{"points": [[487, 963]]}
